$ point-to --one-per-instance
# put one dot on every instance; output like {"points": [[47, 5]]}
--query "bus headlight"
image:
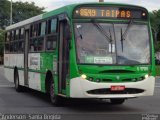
{"points": [[146, 76], [83, 76]]}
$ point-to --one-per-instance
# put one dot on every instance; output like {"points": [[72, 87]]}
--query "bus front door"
{"points": [[63, 64]]}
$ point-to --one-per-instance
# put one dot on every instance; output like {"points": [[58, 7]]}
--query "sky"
{"points": [[53, 4]]}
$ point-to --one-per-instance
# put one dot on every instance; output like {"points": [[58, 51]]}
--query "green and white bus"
{"points": [[87, 50]]}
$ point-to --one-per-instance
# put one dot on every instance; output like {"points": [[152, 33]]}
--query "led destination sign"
{"points": [[110, 12]]}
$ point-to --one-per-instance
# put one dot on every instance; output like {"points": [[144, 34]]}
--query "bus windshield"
{"points": [[108, 43]]}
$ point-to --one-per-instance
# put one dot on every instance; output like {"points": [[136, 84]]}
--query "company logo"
{"points": [[117, 77]]}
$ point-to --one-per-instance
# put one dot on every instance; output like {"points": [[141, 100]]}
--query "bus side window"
{"points": [[7, 39], [40, 44], [17, 34], [8, 36], [6, 47], [39, 29], [21, 33], [31, 48], [34, 30], [51, 42], [43, 29], [11, 47], [20, 46], [15, 44], [36, 44], [12, 35], [52, 26]]}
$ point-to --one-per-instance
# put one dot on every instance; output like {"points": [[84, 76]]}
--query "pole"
{"points": [[11, 14]]}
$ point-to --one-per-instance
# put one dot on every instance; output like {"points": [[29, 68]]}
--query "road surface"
{"points": [[33, 102]]}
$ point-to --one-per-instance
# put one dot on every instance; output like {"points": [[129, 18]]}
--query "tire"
{"points": [[16, 82], [117, 101], [55, 100]]}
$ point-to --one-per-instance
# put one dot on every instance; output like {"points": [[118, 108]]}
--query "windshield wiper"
{"points": [[110, 36], [114, 32], [110, 39], [80, 35], [101, 30], [123, 35], [122, 39]]}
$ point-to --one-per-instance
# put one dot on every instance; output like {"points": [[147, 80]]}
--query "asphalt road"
{"points": [[33, 102]]}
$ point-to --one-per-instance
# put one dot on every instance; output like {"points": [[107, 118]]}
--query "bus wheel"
{"points": [[117, 101], [16, 82], [55, 100]]}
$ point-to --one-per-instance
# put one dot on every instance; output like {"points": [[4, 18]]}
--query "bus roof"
{"points": [[68, 9]]}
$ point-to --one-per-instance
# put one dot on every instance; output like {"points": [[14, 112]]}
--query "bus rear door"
{"points": [[26, 56]]}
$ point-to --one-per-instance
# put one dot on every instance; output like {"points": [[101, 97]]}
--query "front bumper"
{"points": [[80, 86]]}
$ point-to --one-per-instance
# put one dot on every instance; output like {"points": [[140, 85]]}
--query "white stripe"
{"points": [[157, 86]]}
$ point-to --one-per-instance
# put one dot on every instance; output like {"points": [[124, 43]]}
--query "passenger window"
{"points": [[15, 46], [14, 35], [39, 29], [36, 45], [20, 46], [11, 47], [52, 26], [7, 48], [17, 34], [21, 33], [12, 38], [51, 42], [34, 30], [8, 36], [43, 28]]}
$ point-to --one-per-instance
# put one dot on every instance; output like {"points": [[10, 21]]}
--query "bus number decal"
{"points": [[103, 60]]}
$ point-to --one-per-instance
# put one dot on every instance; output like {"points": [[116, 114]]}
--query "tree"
{"points": [[155, 22], [21, 11], [1, 41], [25, 10], [2, 32], [4, 13]]}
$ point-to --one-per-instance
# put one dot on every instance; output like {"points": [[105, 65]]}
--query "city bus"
{"points": [[85, 50]]}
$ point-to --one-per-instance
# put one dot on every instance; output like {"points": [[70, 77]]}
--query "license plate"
{"points": [[117, 88]]}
